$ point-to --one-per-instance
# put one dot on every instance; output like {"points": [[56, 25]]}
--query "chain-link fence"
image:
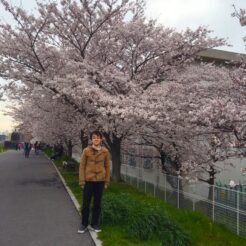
{"points": [[224, 205]]}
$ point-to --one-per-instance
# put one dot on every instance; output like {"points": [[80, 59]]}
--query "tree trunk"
{"points": [[83, 140], [70, 149], [115, 149], [172, 177], [211, 183]]}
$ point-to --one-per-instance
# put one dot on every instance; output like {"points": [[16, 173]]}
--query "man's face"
{"points": [[96, 140]]}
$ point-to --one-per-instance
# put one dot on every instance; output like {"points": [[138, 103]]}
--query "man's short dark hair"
{"points": [[96, 133]]}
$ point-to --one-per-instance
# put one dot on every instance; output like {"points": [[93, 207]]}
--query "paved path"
{"points": [[35, 209]]}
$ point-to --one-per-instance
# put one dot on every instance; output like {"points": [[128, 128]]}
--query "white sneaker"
{"points": [[82, 229], [95, 228]]}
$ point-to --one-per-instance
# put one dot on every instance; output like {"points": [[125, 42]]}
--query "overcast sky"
{"points": [[179, 14]]}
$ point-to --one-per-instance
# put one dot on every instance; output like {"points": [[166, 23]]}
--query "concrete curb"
{"points": [[76, 204]]}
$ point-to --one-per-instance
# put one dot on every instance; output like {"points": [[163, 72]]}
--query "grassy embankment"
{"points": [[132, 217]]}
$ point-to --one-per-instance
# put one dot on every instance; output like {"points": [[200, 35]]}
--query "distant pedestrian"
{"points": [[19, 146], [94, 176], [36, 148], [27, 149]]}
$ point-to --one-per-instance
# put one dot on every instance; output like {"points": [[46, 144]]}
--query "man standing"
{"points": [[94, 176]]}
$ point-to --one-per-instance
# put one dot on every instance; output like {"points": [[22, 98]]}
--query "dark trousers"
{"points": [[94, 189], [27, 152]]}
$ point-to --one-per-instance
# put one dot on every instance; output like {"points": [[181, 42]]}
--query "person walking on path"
{"points": [[27, 149], [19, 146], [94, 176], [36, 148]]}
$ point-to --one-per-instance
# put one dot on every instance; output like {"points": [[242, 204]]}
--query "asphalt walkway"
{"points": [[35, 209]]}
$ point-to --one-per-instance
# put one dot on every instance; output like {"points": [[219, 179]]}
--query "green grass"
{"points": [[2, 149], [202, 230], [115, 236]]}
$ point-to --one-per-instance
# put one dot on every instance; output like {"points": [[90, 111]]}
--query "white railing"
{"points": [[223, 205]]}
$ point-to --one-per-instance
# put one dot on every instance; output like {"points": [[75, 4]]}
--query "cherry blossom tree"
{"points": [[98, 57], [241, 15], [187, 122], [48, 120]]}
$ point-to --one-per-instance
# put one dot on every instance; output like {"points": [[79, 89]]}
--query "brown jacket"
{"points": [[94, 165]]}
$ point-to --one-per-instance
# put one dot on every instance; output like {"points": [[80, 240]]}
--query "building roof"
{"points": [[221, 56]]}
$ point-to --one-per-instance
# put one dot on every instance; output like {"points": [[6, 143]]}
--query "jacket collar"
{"points": [[103, 149]]}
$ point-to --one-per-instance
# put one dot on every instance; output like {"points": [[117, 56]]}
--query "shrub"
{"points": [[147, 222], [116, 208], [142, 221], [2, 148], [174, 235]]}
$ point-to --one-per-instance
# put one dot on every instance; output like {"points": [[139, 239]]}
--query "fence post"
{"points": [[126, 171], [165, 191], [125, 174], [138, 176], [213, 203], [238, 201], [178, 193], [156, 183]]}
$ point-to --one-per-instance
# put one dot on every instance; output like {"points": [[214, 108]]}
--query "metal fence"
{"points": [[224, 205]]}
